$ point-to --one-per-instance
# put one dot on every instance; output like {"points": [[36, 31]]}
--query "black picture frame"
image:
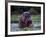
{"points": [[6, 18]]}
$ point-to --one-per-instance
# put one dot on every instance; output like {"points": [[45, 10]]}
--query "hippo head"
{"points": [[26, 14], [24, 20]]}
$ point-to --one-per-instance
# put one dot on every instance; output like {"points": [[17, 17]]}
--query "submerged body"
{"points": [[25, 21]]}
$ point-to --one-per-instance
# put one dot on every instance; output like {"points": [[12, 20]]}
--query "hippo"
{"points": [[24, 20]]}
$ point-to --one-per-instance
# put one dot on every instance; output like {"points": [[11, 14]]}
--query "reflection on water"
{"points": [[35, 26]]}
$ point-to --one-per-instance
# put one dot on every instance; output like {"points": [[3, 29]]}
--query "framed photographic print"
{"points": [[25, 18]]}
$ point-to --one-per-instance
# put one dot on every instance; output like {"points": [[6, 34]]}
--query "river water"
{"points": [[35, 26]]}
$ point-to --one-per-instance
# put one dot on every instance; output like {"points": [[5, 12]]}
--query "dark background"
{"points": [[21, 9]]}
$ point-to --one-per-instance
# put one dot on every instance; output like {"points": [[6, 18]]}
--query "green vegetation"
{"points": [[34, 17]]}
